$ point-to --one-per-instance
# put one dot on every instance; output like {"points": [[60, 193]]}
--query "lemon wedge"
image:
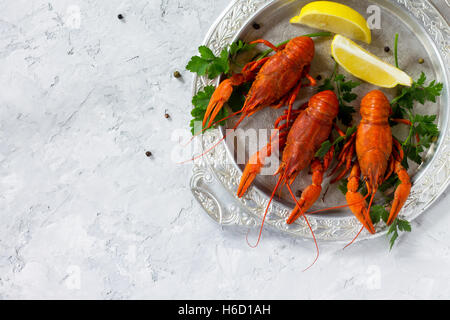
{"points": [[366, 66], [334, 17]]}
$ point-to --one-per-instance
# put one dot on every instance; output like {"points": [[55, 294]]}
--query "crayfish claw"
{"points": [[401, 193], [358, 207], [218, 99], [246, 182], [355, 200], [253, 168], [310, 194], [309, 197]]}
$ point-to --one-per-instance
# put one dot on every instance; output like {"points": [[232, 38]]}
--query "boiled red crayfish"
{"points": [[299, 138], [276, 80], [379, 155]]}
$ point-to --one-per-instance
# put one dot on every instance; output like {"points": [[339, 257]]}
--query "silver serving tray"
{"points": [[423, 34]]}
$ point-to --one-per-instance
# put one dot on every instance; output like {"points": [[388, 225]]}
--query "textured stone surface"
{"points": [[84, 213]]}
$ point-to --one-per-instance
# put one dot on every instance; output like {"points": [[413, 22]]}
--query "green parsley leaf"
{"points": [[378, 213], [403, 225], [239, 47], [345, 94], [422, 126], [346, 114], [343, 186], [343, 90], [427, 140], [392, 230], [208, 64], [348, 86], [206, 53], [237, 98], [425, 125], [350, 131], [427, 131], [327, 85], [197, 65], [362, 188], [392, 182], [414, 153], [417, 92], [324, 148], [201, 99], [396, 226], [349, 97]]}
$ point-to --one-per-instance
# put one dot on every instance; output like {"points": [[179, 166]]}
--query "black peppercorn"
{"points": [[256, 26], [148, 154], [120, 16], [319, 77], [387, 49]]}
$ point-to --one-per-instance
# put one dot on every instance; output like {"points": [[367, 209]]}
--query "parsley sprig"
{"points": [[418, 92], [200, 102], [423, 126], [343, 89], [213, 66], [208, 64], [327, 145], [396, 226], [378, 212]]}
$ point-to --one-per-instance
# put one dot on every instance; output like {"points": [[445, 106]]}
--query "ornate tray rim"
{"points": [[337, 229]]}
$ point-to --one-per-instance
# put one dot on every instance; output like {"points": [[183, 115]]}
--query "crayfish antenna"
{"points": [[354, 239], [339, 207], [370, 203], [214, 124], [265, 214], [215, 145], [309, 226]]}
